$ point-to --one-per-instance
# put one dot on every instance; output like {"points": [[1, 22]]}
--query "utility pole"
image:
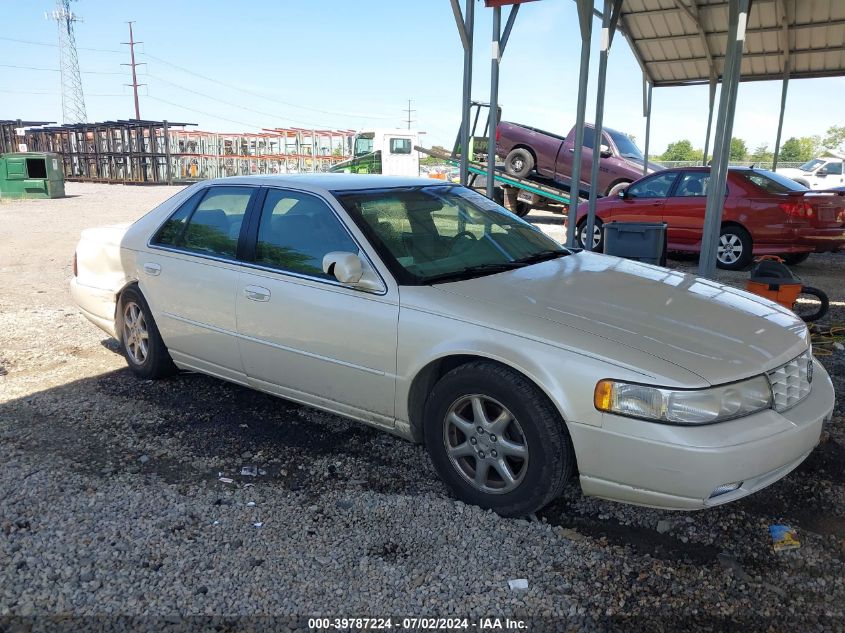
{"points": [[133, 64], [73, 101], [409, 120]]}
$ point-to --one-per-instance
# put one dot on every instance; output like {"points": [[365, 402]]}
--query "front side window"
{"points": [[400, 146], [208, 223], [693, 184], [430, 234], [363, 144], [296, 231], [656, 186]]}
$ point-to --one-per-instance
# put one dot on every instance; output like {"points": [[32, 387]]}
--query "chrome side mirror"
{"points": [[350, 269]]}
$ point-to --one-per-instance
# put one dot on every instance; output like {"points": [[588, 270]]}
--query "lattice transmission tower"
{"points": [[73, 101]]}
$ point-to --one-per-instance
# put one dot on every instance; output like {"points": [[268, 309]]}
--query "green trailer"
{"points": [[31, 175]]}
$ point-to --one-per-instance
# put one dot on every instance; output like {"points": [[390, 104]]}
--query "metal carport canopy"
{"points": [[689, 42], [683, 42]]}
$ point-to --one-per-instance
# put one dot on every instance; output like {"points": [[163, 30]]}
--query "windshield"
{"points": [[625, 145], [811, 165], [769, 181], [363, 144], [438, 233]]}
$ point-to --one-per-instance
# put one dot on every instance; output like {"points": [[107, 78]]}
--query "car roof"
{"points": [[330, 182]]}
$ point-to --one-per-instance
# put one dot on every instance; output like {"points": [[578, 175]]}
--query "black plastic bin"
{"points": [[641, 241]]}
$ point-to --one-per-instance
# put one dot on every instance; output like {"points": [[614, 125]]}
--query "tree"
{"points": [[738, 149], [762, 155], [800, 149], [431, 160], [835, 138], [679, 150]]}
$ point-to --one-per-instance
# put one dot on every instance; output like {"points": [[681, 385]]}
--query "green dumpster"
{"points": [[31, 175]]}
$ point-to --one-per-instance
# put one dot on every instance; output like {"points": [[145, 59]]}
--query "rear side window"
{"points": [[770, 182], [209, 223], [296, 231], [693, 184]]}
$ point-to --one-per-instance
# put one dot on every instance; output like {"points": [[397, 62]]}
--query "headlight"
{"points": [[689, 406]]}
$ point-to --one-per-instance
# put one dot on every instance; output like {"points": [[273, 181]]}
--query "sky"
{"points": [[242, 66]]}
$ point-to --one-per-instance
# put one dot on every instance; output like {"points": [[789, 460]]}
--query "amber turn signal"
{"points": [[602, 395]]}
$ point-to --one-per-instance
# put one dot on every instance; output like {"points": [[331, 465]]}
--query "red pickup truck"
{"points": [[526, 149]]}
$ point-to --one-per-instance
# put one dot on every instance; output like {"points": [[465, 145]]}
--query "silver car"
{"points": [[427, 310]]}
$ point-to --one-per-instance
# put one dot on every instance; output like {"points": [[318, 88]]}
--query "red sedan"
{"points": [[764, 214]]}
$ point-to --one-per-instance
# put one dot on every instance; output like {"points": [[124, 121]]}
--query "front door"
{"points": [[644, 199], [189, 276], [304, 335]]}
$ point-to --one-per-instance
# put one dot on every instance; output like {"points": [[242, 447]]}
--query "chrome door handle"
{"points": [[152, 269], [257, 293]]}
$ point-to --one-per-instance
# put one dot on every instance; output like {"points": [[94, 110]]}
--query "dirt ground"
{"points": [[83, 446]]}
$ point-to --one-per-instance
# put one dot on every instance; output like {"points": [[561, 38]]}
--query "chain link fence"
{"points": [[669, 164]]}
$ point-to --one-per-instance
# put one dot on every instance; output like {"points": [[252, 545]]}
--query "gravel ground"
{"points": [[111, 500]]}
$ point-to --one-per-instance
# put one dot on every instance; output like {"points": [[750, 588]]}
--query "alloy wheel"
{"points": [[730, 248], [485, 444], [596, 235], [136, 338]]}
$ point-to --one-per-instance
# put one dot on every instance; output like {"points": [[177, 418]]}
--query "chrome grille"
{"points": [[790, 383]]}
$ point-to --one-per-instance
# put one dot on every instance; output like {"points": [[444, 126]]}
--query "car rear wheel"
{"points": [[496, 440], [143, 347], [793, 259], [519, 162], [734, 249], [598, 237], [522, 208]]}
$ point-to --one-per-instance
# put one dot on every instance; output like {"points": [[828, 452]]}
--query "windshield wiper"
{"points": [[540, 256], [473, 271]]}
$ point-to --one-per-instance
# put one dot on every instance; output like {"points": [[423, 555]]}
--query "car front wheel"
{"points": [[496, 440], [143, 347], [734, 249]]}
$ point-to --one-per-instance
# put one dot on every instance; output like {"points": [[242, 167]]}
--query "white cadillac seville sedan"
{"points": [[426, 310]]}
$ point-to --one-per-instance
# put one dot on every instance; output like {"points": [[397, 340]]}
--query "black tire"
{"points": [[734, 250], [793, 259], [519, 162], [550, 458], [522, 208], [615, 189], [156, 361], [598, 247]]}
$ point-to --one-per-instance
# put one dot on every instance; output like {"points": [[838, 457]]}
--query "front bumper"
{"points": [[679, 468]]}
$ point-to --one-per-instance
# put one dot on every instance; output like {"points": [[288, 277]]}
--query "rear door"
{"points": [[303, 335], [645, 198], [189, 274], [684, 209]]}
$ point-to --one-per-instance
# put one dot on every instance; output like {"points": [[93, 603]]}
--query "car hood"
{"points": [[717, 332], [792, 172], [639, 164]]}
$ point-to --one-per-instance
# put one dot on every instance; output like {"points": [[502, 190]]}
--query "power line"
{"points": [[56, 70], [265, 96], [52, 92], [195, 111], [81, 48]]}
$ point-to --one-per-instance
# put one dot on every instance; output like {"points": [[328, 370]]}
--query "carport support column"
{"points": [[610, 16], [647, 89], [738, 16], [585, 20], [709, 119], [500, 40], [493, 118], [465, 30], [780, 119]]}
